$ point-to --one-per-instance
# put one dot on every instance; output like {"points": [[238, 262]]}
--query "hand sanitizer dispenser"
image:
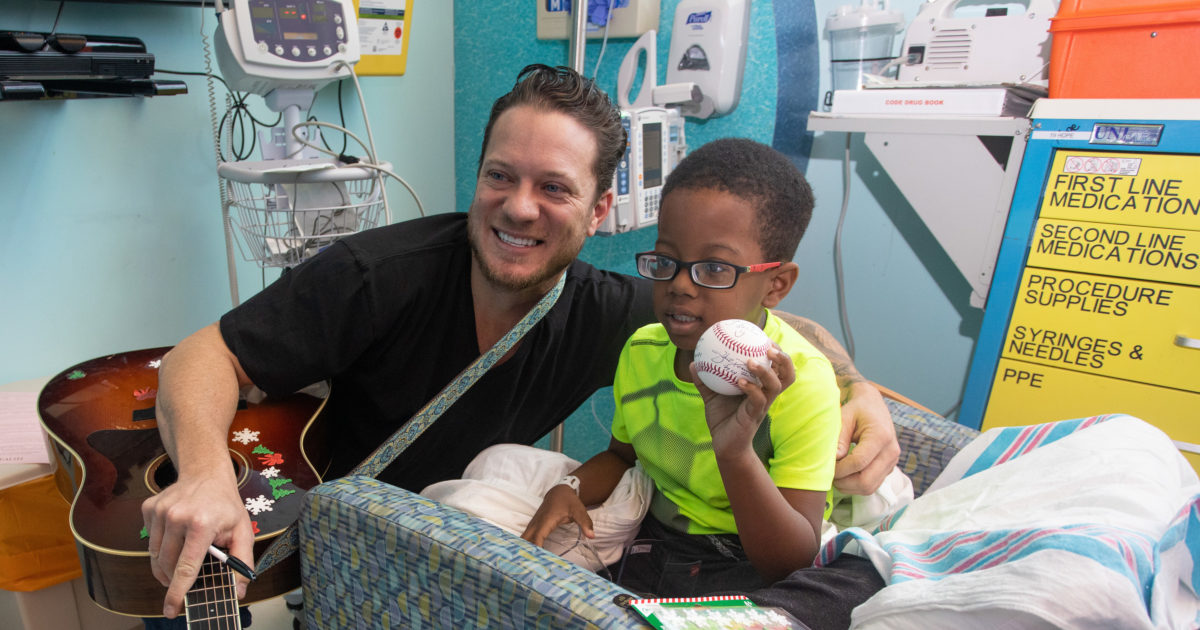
{"points": [[708, 48]]}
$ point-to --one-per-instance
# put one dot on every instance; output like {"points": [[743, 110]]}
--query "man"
{"points": [[391, 315]]}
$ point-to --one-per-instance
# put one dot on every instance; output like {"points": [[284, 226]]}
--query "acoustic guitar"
{"points": [[110, 459]]}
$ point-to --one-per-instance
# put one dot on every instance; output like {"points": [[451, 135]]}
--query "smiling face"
{"points": [[708, 224], [535, 199]]}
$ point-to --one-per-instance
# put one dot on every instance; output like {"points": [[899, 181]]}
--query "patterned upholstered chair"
{"points": [[375, 556], [927, 440]]}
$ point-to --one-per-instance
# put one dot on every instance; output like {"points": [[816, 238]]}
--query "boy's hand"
{"points": [[560, 506], [733, 420]]}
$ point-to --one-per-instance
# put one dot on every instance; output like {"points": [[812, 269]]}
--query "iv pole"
{"points": [[576, 55], [578, 43]]}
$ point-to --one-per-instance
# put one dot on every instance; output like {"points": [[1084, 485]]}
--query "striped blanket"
{"points": [[1089, 523]]}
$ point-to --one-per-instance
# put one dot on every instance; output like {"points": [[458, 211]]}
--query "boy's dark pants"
{"points": [[662, 562]]}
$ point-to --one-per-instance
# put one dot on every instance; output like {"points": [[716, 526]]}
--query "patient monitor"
{"points": [[655, 144]]}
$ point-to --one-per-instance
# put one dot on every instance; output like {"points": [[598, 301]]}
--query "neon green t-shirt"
{"points": [[663, 418]]}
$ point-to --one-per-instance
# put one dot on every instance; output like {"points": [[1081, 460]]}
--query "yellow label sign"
{"points": [[1104, 325], [1148, 189], [384, 28], [1118, 250], [1025, 393]]}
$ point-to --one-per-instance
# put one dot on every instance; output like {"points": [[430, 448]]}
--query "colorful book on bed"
{"points": [[718, 612]]}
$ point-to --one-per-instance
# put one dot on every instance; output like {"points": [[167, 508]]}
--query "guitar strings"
{"points": [[217, 599], [212, 601]]}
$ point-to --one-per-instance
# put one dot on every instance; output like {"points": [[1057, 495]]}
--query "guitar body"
{"points": [[110, 459]]}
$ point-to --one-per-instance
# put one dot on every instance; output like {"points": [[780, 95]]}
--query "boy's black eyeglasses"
{"points": [[711, 274]]}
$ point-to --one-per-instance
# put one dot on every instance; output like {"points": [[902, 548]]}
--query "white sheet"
{"points": [[1090, 523]]}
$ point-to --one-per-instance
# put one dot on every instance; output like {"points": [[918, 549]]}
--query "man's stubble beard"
{"points": [[556, 265]]}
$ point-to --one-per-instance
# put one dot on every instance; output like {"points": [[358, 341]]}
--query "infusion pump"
{"points": [[263, 45], [655, 144]]}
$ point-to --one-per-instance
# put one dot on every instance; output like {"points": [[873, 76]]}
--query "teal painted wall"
{"points": [[112, 237]]}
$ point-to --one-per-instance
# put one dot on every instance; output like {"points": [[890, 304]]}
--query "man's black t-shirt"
{"points": [[387, 317]]}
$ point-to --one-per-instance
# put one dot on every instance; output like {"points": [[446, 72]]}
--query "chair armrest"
{"points": [[373, 556], [927, 442]]}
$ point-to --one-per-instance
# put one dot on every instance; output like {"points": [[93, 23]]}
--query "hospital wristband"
{"points": [[569, 480]]}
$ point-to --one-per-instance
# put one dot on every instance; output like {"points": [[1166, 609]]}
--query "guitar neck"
{"points": [[212, 602]]}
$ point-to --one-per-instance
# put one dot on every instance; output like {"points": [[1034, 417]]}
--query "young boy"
{"points": [[740, 481]]}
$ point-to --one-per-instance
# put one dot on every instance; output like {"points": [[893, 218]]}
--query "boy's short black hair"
{"points": [[760, 175]]}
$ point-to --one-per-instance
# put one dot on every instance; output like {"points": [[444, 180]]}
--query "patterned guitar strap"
{"points": [[289, 541]]}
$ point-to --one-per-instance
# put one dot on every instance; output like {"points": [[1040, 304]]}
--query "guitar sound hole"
{"points": [[163, 472]]}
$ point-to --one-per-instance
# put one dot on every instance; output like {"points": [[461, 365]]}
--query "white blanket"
{"points": [[1090, 523], [505, 483]]}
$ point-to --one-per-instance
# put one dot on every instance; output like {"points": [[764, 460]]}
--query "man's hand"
{"points": [[183, 521], [867, 423]]}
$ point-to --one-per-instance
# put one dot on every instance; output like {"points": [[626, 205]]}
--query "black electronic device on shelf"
{"points": [[46, 65], [208, 4]]}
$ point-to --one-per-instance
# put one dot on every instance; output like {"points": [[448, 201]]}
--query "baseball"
{"points": [[722, 352]]}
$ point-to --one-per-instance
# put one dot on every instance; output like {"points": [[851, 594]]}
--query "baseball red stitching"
{"points": [[720, 372], [754, 351]]}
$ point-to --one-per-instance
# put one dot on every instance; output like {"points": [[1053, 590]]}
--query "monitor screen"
{"points": [[652, 166]]}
